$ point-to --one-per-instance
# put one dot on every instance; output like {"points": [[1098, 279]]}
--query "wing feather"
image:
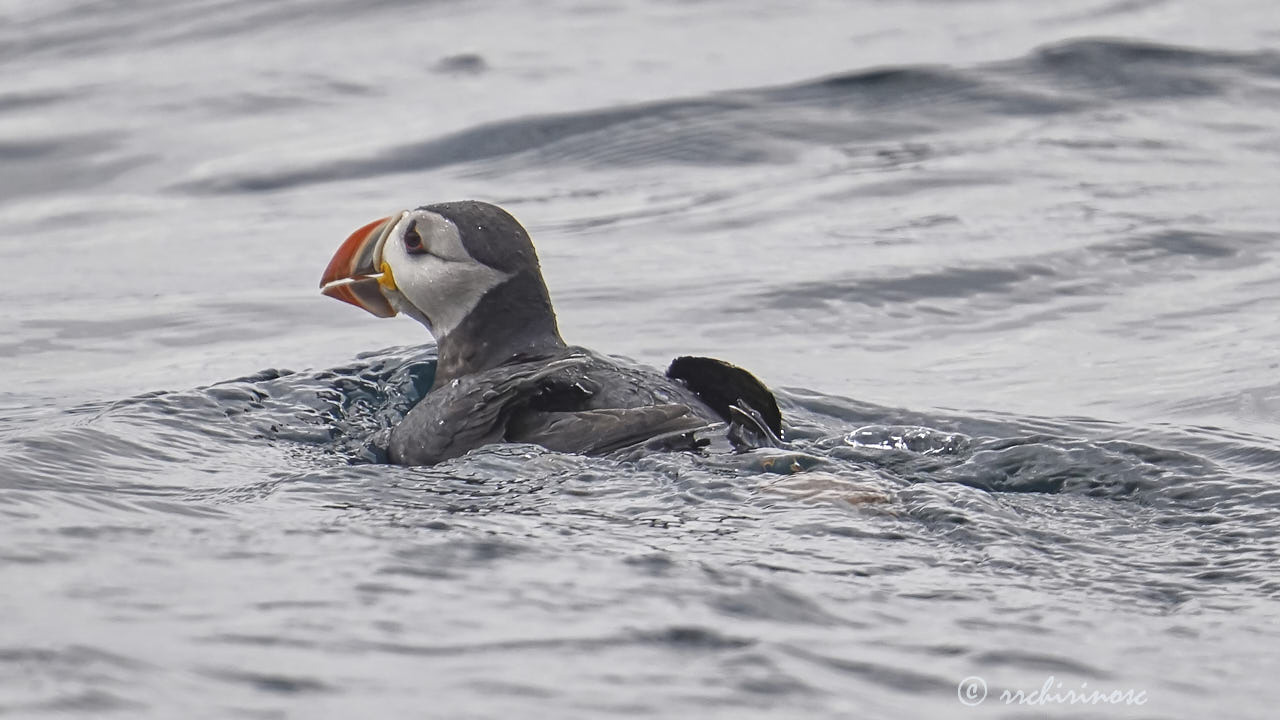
{"points": [[596, 432]]}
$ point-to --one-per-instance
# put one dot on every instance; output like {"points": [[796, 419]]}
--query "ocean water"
{"points": [[1013, 269]]}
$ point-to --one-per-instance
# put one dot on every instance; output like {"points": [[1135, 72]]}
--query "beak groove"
{"points": [[354, 274]]}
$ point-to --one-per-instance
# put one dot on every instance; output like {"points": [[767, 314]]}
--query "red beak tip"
{"points": [[362, 290]]}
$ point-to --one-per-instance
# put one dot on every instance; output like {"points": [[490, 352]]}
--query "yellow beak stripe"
{"points": [[387, 280]]}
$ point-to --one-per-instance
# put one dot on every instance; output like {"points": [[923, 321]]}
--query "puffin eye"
{"points": [[413, 241]]}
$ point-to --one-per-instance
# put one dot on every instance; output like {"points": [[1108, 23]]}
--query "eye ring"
{"points": [[413, 241]]}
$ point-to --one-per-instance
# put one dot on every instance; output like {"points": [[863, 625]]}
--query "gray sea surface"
{"points": [[1013, 268]]}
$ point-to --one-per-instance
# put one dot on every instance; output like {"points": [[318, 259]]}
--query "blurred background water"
{"points": [[1013, 268]]}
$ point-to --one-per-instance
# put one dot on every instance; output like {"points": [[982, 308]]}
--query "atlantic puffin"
{"points": [[468, 272]]}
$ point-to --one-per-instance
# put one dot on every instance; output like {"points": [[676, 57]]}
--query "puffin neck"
{"points": [[512, 320]]}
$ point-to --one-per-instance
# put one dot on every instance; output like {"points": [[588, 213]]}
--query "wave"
{"points": [[337, 417], [775, 124]]}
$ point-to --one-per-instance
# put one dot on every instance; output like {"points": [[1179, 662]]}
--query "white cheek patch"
{"points": [[443, 286]]}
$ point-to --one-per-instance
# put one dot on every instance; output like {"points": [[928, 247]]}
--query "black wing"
{"points": [[546, 404], [470, 411], [723, 386], [597, 432]]}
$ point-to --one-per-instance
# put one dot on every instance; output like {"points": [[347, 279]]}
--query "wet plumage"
{"points": [[469, 273]]}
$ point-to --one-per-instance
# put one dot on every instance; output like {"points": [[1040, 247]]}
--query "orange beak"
{"points": [[356, 274]]}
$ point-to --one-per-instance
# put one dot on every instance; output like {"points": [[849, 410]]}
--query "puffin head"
{"points": [[466, 270]]}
